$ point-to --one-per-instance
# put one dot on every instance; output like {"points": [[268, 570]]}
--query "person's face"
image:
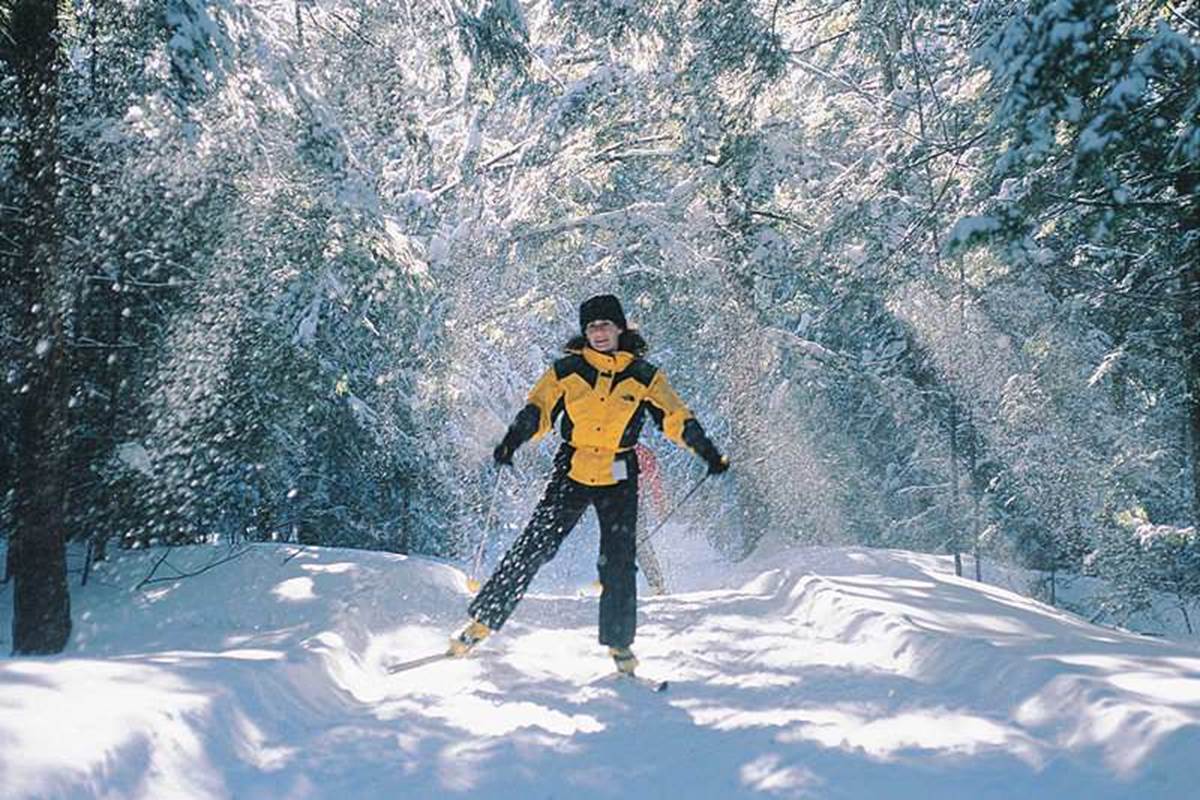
{"points": [[602, 335]]}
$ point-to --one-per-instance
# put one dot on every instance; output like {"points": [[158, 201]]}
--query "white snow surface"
{"points": [[803, 673]]}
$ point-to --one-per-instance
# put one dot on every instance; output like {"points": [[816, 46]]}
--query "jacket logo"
{"points": [[628, 398]]}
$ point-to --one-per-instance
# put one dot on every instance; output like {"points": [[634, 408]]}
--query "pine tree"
{"points": [[29, 46]]}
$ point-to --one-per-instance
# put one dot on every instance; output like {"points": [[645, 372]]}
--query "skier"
{"points": [[601, 390]]}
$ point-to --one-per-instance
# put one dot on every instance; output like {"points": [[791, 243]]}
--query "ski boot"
{"points": [[624, 658], [467, 638]]}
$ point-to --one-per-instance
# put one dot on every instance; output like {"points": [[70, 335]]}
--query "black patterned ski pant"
{"points": [[555, 517]]}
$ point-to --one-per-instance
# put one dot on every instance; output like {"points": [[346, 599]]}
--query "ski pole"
{"points": [[678, 506], [477, 561]]}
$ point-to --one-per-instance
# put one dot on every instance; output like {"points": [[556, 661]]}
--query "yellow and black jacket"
{"points": [[601, 401]]}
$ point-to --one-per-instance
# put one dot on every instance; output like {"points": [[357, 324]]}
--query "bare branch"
{"points": [[241, 551]]}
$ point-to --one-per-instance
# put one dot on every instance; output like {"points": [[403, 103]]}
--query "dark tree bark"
{"points": [[1189, 314], [41, 601]]}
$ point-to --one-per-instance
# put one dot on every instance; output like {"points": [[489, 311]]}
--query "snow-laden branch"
{"points": [[632, 214]]}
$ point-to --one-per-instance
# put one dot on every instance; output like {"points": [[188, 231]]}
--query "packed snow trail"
{"points": [[820, 673]]}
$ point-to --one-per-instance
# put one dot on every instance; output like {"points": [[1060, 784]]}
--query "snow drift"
{"points": [[822, 673]]}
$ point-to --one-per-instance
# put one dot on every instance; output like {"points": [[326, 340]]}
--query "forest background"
{"points": [[927, 270]]}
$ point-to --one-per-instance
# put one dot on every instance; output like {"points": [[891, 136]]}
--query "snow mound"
{"points": [[824, 673]]}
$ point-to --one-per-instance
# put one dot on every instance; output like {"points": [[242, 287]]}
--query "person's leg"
{"points": [[556, 515], [616, 506]]}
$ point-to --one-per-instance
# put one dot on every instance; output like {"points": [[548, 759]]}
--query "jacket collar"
{"points": [[607, 362]]}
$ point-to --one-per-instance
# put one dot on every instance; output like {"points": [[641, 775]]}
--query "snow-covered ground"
{"points": [[821, 673]]}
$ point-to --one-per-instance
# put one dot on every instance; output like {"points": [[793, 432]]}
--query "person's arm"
{"points": [[534, 419], [677, 423]]}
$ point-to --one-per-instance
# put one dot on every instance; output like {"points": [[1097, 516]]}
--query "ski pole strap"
{"points": [[678, 506]]}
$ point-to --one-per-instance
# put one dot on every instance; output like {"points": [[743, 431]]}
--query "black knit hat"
{"points": [[602, 306]]}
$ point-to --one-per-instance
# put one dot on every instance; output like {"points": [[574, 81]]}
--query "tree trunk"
{"points": [[1189, 318], [41, 601], [973, 472], [952, 516]]}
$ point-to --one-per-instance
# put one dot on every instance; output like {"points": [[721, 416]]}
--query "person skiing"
{"points": [[601, 392]]}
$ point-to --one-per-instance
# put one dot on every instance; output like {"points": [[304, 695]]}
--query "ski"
{"points": [[404, 666], [637, 680], [648, 683]]}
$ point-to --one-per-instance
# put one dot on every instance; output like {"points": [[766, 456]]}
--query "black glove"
{"points": [[503, 454], [717, 464], [518, 433], [693, 437]]}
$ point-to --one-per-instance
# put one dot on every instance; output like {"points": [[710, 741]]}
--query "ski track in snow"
{"points": [[806, 673]]}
